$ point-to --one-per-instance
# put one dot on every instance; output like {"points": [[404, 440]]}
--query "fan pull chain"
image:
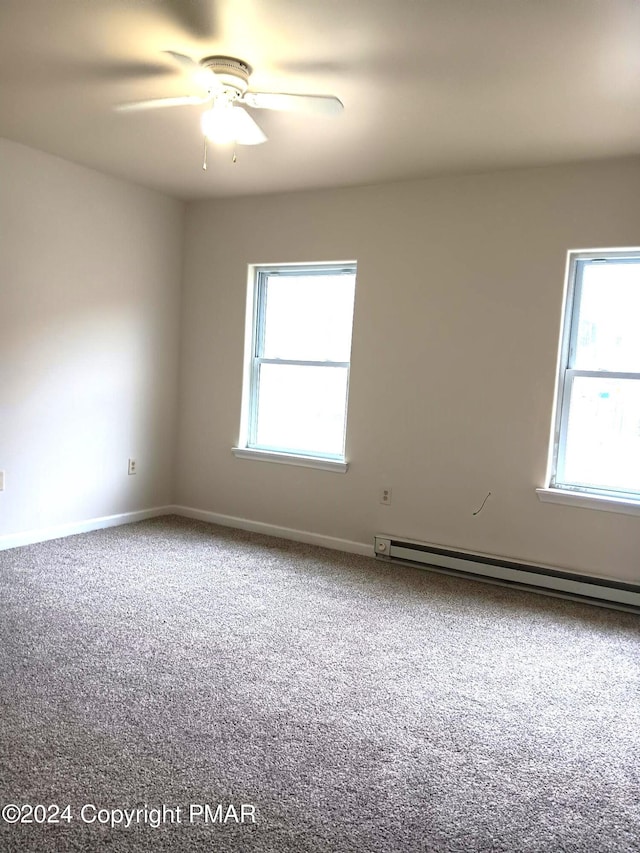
{"points": [[234, 158], [204, 158]]}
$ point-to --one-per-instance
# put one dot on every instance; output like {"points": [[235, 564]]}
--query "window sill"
{"points": [[605, 504], [334, 465]]}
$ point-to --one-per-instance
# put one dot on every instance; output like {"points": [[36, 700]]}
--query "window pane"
{"points": [[608, 337], [603, 436], [302, 409], [309, 317]]}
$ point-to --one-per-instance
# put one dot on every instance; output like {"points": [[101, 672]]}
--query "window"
{"points": [[297, 364], [597, 433]]}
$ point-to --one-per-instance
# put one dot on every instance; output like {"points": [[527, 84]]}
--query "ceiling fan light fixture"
{"points": [[228, 73], [225, 123], [248, 132], [218, 123], [226, 81]]}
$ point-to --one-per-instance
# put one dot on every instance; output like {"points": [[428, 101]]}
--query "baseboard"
{"points": [[274, 530], [30, 537], [435, 558]]}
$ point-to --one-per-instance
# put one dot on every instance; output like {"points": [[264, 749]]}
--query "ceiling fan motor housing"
{"points": [[233, 73]]}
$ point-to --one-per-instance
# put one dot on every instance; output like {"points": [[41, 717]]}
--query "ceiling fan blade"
{"points": [[312, 104], [187, 62], [196, 17], [204, 77], [155, 103]]}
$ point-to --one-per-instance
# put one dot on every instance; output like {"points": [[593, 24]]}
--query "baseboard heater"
{"points": [[542, 579]]}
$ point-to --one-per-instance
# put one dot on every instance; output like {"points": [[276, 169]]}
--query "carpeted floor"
{"points": [[350, 706]]}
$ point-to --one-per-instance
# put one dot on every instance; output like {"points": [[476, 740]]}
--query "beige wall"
{"points": [[455, 338], [457, 316], [90, 273]]}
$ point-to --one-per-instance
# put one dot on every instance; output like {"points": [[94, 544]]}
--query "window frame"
{"points": [[558, 490], [247, 446]]}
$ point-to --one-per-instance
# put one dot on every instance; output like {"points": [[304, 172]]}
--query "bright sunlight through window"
{"points": [[298, 368], [597, 440]]}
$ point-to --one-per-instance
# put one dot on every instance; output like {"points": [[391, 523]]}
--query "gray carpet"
{"points": [[357, 707]]}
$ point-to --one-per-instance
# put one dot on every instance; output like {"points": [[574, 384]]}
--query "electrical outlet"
{"points": [[1, 481], [385, 496], [133, 466]]}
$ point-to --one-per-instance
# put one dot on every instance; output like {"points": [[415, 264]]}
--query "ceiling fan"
{"points": [[224, 85]]}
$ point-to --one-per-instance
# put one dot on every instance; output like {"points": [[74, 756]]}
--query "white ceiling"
{"points": [[429, 86]]}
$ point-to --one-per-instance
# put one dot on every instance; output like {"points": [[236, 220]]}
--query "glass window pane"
{"points": [[603, 435], [309, 317], [609, 312], [302, 409]]}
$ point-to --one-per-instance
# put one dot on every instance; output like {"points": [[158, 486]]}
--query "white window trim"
{"points": [[587, 501], [324, 464], [552, 493], [242, 450]]}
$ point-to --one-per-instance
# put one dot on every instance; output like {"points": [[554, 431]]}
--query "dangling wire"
{"points": [[478, 511], [204, 157]]}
